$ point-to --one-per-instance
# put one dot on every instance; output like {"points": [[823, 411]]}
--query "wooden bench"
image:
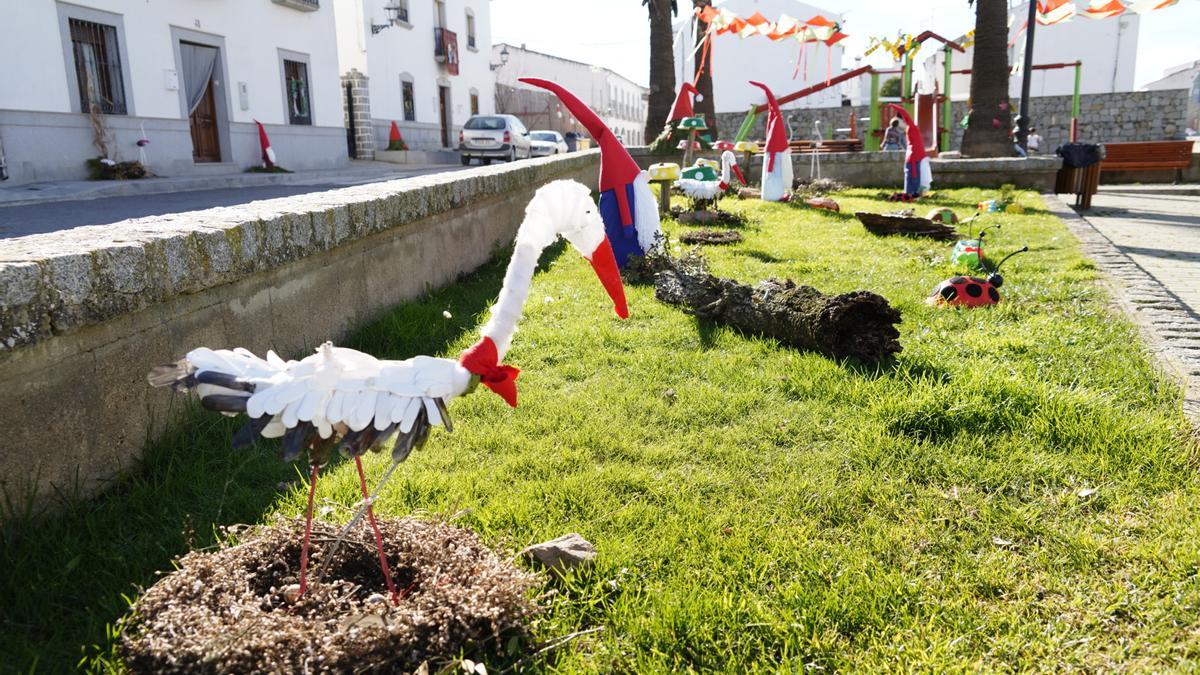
{"points": [[832, 145], [1148, 156]]}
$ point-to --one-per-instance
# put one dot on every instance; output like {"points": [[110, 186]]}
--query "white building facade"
{"points": [[191, 75], [427, 63], [619, 101], [1106, 47], [784, 66]]}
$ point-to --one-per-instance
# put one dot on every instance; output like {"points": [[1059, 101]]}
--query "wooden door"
{"points": [[444, 114], [205, 146]]}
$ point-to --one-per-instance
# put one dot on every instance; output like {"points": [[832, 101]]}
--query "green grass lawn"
{"points": [[755, 508]]}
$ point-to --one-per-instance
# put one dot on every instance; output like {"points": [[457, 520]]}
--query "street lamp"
{"points": [[503, 59], [396, 12], [1026, 79]]}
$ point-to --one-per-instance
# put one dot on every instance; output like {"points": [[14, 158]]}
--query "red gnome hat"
{"points": [[264, 143], [777, 137], [683, 102], [617, 168], [916, 142]]}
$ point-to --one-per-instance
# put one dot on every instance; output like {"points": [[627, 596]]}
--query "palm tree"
{"points": [[662, 65], [990, 118], [704, 84]]}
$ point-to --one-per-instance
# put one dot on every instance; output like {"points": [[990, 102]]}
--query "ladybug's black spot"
{"points": [[974, 290], [949, 292], [994, 294], [957, 280]]}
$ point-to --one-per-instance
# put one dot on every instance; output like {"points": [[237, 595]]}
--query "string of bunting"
{"points": [[723, 21], [1053, 12]]}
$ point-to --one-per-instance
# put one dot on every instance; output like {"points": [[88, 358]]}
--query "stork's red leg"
{"points": [[387, 574], [312, 488]]}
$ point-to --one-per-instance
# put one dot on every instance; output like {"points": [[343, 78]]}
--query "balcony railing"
{"points": [[445, 49], [302, 5]]}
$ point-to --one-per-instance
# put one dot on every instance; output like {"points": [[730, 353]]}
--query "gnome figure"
{"points": [[917, 175], [683, 103], [627, 205], [777, 159]]}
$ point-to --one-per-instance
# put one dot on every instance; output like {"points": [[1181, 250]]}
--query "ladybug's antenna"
{"points": [[985, 229], [1023, 249]]}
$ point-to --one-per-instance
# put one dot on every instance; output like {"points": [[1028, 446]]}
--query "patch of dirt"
{"points": [[806, 188], [711, 216], [224, 611], [710, 237]]}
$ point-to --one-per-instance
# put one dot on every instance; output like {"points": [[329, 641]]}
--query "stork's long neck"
{"points": [[726, 166], [533, 237]]}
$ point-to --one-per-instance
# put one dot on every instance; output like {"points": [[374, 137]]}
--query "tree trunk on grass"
{"points": [[858, 325], [991, 115], [662, 66], [706, 106]]}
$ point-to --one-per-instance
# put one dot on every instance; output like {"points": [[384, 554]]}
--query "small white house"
{"points": [[784, 66], [427, 63], [619, 101], [192, 75]]}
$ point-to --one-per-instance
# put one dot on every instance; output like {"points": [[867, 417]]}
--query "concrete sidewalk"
{"points": [[1147, 239], [1158, 227], [355, 173]]}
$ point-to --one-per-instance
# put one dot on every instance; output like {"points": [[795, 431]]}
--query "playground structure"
{"points": [[933, 112]]}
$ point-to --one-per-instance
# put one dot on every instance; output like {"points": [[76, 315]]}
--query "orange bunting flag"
{"points": [[784, 27], [755, 25], [1101, 9], [1143, 6], [707, 14], [1055, 11]]}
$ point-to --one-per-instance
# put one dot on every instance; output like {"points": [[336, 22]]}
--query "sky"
{"points": [[615, 33]]}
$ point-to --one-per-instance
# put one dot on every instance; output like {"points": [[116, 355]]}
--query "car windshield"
{"points": [[488, 123], [544, 136]]}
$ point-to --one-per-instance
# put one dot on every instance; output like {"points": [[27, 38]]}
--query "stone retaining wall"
{"points": [[884, 169], [85, 313], [1104, 118]]}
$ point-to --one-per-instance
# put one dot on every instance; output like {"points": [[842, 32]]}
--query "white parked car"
{"points": [[545, 143], [488, 137]]}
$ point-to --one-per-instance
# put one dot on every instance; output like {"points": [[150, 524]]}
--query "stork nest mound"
{"points": [[710, 237], [224, 611]]}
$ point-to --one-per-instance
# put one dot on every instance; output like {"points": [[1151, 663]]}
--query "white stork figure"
{"points": [[346, 400], [706, 189]]}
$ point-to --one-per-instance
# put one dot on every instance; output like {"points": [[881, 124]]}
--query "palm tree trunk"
{"points": [[662, 67], [990, 118], [706, 107]]}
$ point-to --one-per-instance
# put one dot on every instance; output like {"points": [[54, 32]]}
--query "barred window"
{"points": [[410, 103], [98, 67], [295, 75]]}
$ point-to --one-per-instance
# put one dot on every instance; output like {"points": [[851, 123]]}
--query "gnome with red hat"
{"points": [[682, 109], [777, 158], [628, 207], [918, 176], [683, 102]]}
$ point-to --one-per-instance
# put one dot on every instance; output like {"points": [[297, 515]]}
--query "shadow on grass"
{"points": [[69, 576]]}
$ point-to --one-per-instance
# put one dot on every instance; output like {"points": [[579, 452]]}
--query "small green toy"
{"points": [[969, 252]]}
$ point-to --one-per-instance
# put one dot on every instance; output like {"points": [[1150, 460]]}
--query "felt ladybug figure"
{"points": [[971, 291]]}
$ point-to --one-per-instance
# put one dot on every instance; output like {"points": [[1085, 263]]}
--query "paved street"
{"points": [[1158, 227], [50, 216]]}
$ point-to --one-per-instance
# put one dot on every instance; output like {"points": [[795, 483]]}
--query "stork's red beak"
{"points": [[605, 264]]}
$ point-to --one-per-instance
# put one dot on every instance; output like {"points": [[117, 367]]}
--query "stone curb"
{"points": [[58, 282], [1171, 328]]}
